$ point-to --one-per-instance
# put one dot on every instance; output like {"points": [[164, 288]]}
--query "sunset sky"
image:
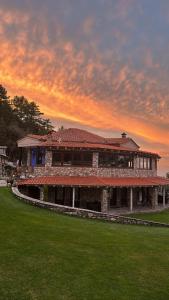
{"points": [[101, 65]]}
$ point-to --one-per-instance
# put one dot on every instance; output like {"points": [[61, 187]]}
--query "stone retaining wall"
{"points": [[84, 213]]}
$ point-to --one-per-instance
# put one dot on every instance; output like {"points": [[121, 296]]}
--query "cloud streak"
{"points": [[85, 69]]}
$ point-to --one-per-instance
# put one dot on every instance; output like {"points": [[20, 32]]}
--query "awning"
{"points": [[95, 181]]}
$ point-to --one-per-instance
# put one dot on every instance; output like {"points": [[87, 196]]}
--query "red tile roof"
{"points": [[92, 146], [76, 135], [120, 141], [78, 138], [95, 181], [38, 137]]}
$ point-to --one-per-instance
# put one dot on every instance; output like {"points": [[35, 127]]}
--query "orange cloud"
{"points": [[79, 85]]}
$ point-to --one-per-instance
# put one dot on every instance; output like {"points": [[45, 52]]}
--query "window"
{"points": [[144, 163], [67, 158], [77, 158], [56, 158], [116, 160], [106, 159], [70, 158], [38, 157], [141, 163]]}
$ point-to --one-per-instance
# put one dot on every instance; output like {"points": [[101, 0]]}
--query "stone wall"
{"points": [[0, 169], [87, 171], [84, 213]]}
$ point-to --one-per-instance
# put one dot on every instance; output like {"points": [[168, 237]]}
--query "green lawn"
{"points": [[162, 216], [48, 256]]}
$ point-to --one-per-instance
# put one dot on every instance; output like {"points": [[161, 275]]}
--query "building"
{"points": [[74, 167], [3, 160]]}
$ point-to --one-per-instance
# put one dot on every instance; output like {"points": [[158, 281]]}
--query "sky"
{"points": [[100, 65]]}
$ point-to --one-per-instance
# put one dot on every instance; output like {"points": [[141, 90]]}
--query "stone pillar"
{"points": [[73, 197], [105, 201], [28, 157], [140, 195], [48, 158], [163, 196], [118, 199], [153, 196], [154, 166], [131, 199], [135, 159], [42, 193], [95, 162]]}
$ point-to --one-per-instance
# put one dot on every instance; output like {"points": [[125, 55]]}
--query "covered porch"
{"points": [[108, 195]]}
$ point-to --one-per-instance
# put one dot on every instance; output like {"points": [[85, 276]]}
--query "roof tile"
{"points": [[95, 181]]}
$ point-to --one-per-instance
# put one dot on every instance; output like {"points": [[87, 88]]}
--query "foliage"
{"points": [[19, 117], [46, 256]]}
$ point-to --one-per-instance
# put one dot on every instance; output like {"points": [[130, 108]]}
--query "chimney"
{"points": [[123, 135]]}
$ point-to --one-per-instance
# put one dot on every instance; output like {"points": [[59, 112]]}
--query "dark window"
{"points": [[88, 158], [77, 158], [69, 158], [57, 158], [108, 159]]}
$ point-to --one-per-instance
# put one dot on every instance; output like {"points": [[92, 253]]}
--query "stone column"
{"points": [[131, 199], [153, 196], [42, 193], [154, 166], [95, 162], [135, 159], [48, 158], [163, 196], [105, 201]]}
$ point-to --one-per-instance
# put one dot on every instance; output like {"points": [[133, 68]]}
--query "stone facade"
{"points": [[153, 196], [95, 159], [105, 201], [49, 170], [48, 159], [87, 171]]}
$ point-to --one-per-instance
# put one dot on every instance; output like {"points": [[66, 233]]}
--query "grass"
{"points": [[44, 256], [162, 216]]}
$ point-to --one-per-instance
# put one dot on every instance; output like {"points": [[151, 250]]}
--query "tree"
{"points": [[3, 93], [19, 117], [30, 115]]}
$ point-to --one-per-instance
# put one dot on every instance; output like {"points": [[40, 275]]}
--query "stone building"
{"points": [[74, 167], [3, 160]]}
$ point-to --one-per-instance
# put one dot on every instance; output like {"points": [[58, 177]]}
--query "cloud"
{"points": [[78, 71]]}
